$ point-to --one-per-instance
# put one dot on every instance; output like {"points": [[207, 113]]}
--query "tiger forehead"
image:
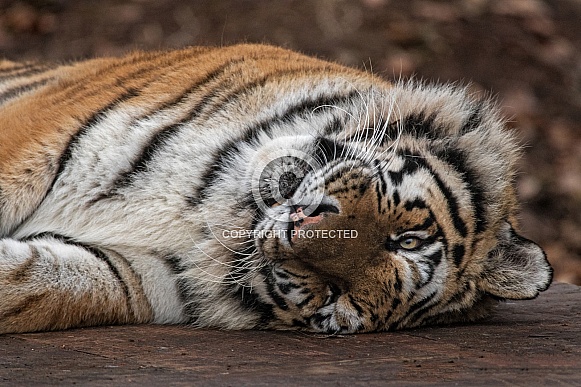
{"points": [[405, 218]]}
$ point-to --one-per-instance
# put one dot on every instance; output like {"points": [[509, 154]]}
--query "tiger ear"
{"points": [[516, 268]]}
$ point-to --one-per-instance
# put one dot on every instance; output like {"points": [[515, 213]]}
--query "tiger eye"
{"points": [[410, 243]]}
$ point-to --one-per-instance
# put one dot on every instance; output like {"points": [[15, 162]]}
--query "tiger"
{"points": [[253, 187]]}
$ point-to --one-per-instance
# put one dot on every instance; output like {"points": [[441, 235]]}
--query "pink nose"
{"points": [[300, 220]]}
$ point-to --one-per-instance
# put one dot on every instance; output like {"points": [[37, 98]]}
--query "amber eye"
{"points": [[410, 243]]}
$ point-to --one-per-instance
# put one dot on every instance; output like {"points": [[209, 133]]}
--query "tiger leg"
{"points": [[48, 283]]}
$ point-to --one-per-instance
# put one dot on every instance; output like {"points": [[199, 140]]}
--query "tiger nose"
{"points": [[301, 217]]}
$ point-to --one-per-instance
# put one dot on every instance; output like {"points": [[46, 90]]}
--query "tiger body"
{"points": [[140, 190]]}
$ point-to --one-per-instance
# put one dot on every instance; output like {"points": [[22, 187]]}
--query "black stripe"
{"points": [[160, 139], [70, 86], [306, 300], [237, 93], [281, 274], [226, 85], [458, 159], [29, 302], [379, 174], [474, 120], [336, 125], [460, 297], [27, 71], [458, 254], [272, 293], [88, 86], [84, 130], [355, 305], [379, 197], [396, 198], [361, 136], [222, 156], [317, 319], [147, 61], [96, 252], [451, 200], [427, 261], [214, 75], [296, 275], [417, 203], [419, 315], [105, 258], [417, 125], [397, 285], [18, 90], [409, 167], [340, 190], [175, 263], [340, 171], [435, 258], [389, 131], [420, 126], [363, 187], [219, 72], [140, 164], [185, 291], [299, 323], [327, 150], [380, 186], [418, 306], [251, 301], [322, 102], [188, 298], [428, 222], [17, 66], [23, 271], [287, 287]]}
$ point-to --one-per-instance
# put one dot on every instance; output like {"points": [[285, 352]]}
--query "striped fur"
{"points": [[252, 187]]}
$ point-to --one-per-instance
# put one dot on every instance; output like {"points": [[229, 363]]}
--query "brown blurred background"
{"points": [[525, 52]]}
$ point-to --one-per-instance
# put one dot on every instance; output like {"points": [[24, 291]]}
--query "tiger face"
{"points": [[250, 187], [382, 237]]}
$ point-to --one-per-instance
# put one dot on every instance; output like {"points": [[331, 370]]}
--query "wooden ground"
{"points": [[526, 343]]}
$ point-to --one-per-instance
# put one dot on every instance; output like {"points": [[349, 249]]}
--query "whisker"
{"points": [[221, 243]]}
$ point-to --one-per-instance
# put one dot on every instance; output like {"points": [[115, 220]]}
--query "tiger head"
{"points": [[394, 221]]}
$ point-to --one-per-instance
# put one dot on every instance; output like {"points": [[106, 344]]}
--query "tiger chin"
{"points": [[251, 187]]}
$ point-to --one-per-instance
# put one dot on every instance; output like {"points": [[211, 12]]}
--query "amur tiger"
{"points": [[251, 187]]}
